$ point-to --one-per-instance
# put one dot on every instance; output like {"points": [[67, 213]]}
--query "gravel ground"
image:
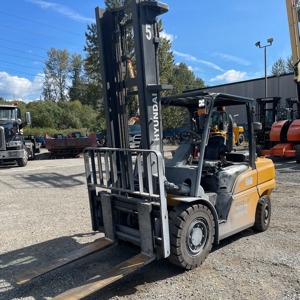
{"points": [[44, 214]]}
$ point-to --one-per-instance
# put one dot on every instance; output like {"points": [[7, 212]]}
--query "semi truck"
{"points": [[14, 148]]}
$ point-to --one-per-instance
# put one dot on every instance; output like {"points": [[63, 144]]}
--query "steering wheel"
{"points": [[189, 136]]}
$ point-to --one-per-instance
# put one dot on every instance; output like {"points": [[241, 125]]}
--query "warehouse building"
{"points": [[277, 86]]}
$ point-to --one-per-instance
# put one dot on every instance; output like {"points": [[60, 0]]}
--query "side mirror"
{"points": [[257, 126], [28, 118]]}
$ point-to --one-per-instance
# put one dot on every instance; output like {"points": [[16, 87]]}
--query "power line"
{"points": [[24, 44], [23, 52], [20, 65], [18, 56], [36, 33], [23, 72], [46, 25]]}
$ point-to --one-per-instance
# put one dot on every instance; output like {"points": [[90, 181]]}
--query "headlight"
{"points": [[14, 144]]}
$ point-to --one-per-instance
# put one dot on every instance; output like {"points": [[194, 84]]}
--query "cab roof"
{"points": [[191, 99]]}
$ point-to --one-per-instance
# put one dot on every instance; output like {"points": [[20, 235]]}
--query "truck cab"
{"points": [[12, 143]]}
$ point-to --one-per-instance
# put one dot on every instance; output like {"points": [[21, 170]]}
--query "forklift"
{"points": [[175, 207], [267, 110], [284, 135]]}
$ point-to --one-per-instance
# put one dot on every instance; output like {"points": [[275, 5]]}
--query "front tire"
{"points": [[192, 231], [263, 214], [22, 162]]}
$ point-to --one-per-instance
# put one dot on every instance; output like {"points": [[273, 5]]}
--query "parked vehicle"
{"points": [[13, 146], [61, 146], [135, 136], [41, 140]]}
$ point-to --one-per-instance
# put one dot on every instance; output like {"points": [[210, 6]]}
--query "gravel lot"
{"points": [[44, 213]]}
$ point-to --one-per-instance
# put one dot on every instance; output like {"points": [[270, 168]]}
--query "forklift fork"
{"points": [[62, 261]]}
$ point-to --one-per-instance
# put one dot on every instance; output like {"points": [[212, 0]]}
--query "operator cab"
{"points": [[201, 150]]}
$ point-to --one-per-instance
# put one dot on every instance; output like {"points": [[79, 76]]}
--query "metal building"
{"points": [[277, 86]]}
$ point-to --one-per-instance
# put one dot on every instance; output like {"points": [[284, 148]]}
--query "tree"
{"points": [[282, 66], [56, 74], [182, 79], [44, 114], [76, 68], [177, 75], [279, 67], [165, 57], [290, 64], [93, 80]]}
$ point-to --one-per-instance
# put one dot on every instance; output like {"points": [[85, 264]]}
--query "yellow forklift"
{"points": [[175, 207], [221, 121]]}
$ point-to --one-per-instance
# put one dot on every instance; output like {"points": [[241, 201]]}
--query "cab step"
{"points": [[64, 260], [96, 283]]}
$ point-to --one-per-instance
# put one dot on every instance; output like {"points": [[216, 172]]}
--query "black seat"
{"points": [[215, 148]]}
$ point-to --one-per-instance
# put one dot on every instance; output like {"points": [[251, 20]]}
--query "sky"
{"points": [[216, 39]]}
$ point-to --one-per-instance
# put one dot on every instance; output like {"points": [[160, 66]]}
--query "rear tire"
{"points": [[192, 231], [263, 214]]}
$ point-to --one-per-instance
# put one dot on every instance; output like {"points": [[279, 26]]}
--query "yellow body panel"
{"points": [[265, 169], [245, 181], [241, 214], [248, 188]]}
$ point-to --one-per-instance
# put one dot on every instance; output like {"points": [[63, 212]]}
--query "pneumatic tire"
{"points": [[22, 162], [192, 232], [263, 214]]}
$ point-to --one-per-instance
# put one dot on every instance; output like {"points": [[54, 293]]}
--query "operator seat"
{"points": [[215, 148], [181, 155]]}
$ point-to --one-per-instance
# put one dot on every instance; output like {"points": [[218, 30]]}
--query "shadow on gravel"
{"points": [[57, 180], [76, 273], [22, 260], [156, 271], [286, 164], [231, 239]]}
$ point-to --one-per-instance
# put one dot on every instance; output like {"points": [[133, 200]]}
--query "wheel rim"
{"points": [[197, 236]]}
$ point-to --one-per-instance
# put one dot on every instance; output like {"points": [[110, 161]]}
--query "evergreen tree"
{"points": [[93, 80], [76, 89]]}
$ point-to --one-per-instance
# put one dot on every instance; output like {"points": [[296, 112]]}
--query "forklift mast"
{"points": [[128, 41], [267, 111], [291, 111], [293, 10]]}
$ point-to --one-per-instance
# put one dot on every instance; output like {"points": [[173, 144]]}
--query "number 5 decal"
{"points": [[148, 32]]}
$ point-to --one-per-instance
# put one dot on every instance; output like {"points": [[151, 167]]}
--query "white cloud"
{"points": [[230, 76], [14, 87], [238, 60], [189, 57], [167, 36], [61, 9]]}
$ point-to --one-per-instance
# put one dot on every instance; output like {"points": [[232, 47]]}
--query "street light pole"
{"points": [[257, 44]]}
